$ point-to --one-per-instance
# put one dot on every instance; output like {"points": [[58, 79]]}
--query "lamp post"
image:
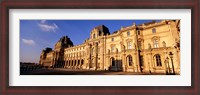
{"points": [[171, 56]]}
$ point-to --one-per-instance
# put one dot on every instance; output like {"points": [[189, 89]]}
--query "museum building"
{"points": [[152, 47]]}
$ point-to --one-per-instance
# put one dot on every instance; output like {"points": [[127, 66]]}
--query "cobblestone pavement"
{"points": [[63, 71]]}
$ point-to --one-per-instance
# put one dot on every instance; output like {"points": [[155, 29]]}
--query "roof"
{"points": [[103, 29]]}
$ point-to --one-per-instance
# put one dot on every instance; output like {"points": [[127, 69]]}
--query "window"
{"points": [[112, 48], [140, 45], [130, 61], [112, 61], [129, 46], [112, 39], [158, 60], [155, 43], [128, 33], [138, 32], [153, 30], [93, 36]]}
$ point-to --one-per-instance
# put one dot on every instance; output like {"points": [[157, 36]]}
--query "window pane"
{"points": [[155, 42], [112, 49], [138, 32], [153, 30], [128, 33], [112, 39], [130, 62], [158, 60], [129, 45]]}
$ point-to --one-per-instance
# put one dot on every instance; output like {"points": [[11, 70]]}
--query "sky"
{"points": [[36, 35]]}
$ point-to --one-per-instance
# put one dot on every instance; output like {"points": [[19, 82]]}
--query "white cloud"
{"points": [[42, 21], [28, 42], [47, 27]]}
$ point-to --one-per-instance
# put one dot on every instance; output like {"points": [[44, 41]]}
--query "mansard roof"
{"points": [[65, 41], [47, 50], [103, 29]]}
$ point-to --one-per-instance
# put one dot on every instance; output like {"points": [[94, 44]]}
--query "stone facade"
{"points": [[136, 48]]}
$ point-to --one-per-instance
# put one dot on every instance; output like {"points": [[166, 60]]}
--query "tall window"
{"points": [[155, 43], [158, 60], [129, 46], [112, 48], [128, 33], [153, 30], [130, 61], [112, 39]]}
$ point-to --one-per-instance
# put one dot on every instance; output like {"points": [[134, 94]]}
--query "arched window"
{"points": [[78, 62], [158, 60], [112, 61], [129, 60], [82, 62]]}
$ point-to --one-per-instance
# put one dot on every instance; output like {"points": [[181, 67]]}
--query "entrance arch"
{"points": [[82, 62]]}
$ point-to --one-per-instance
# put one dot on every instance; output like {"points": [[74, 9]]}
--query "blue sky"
{"points": [[36, 35]]}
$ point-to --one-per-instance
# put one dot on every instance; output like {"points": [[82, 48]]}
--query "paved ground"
{"points": [[62, 71]]}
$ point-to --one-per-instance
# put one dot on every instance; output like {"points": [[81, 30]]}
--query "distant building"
{"points": [[136, 48]]}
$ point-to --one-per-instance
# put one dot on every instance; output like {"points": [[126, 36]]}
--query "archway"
{"points": [[112, 61], [82, 62]]}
